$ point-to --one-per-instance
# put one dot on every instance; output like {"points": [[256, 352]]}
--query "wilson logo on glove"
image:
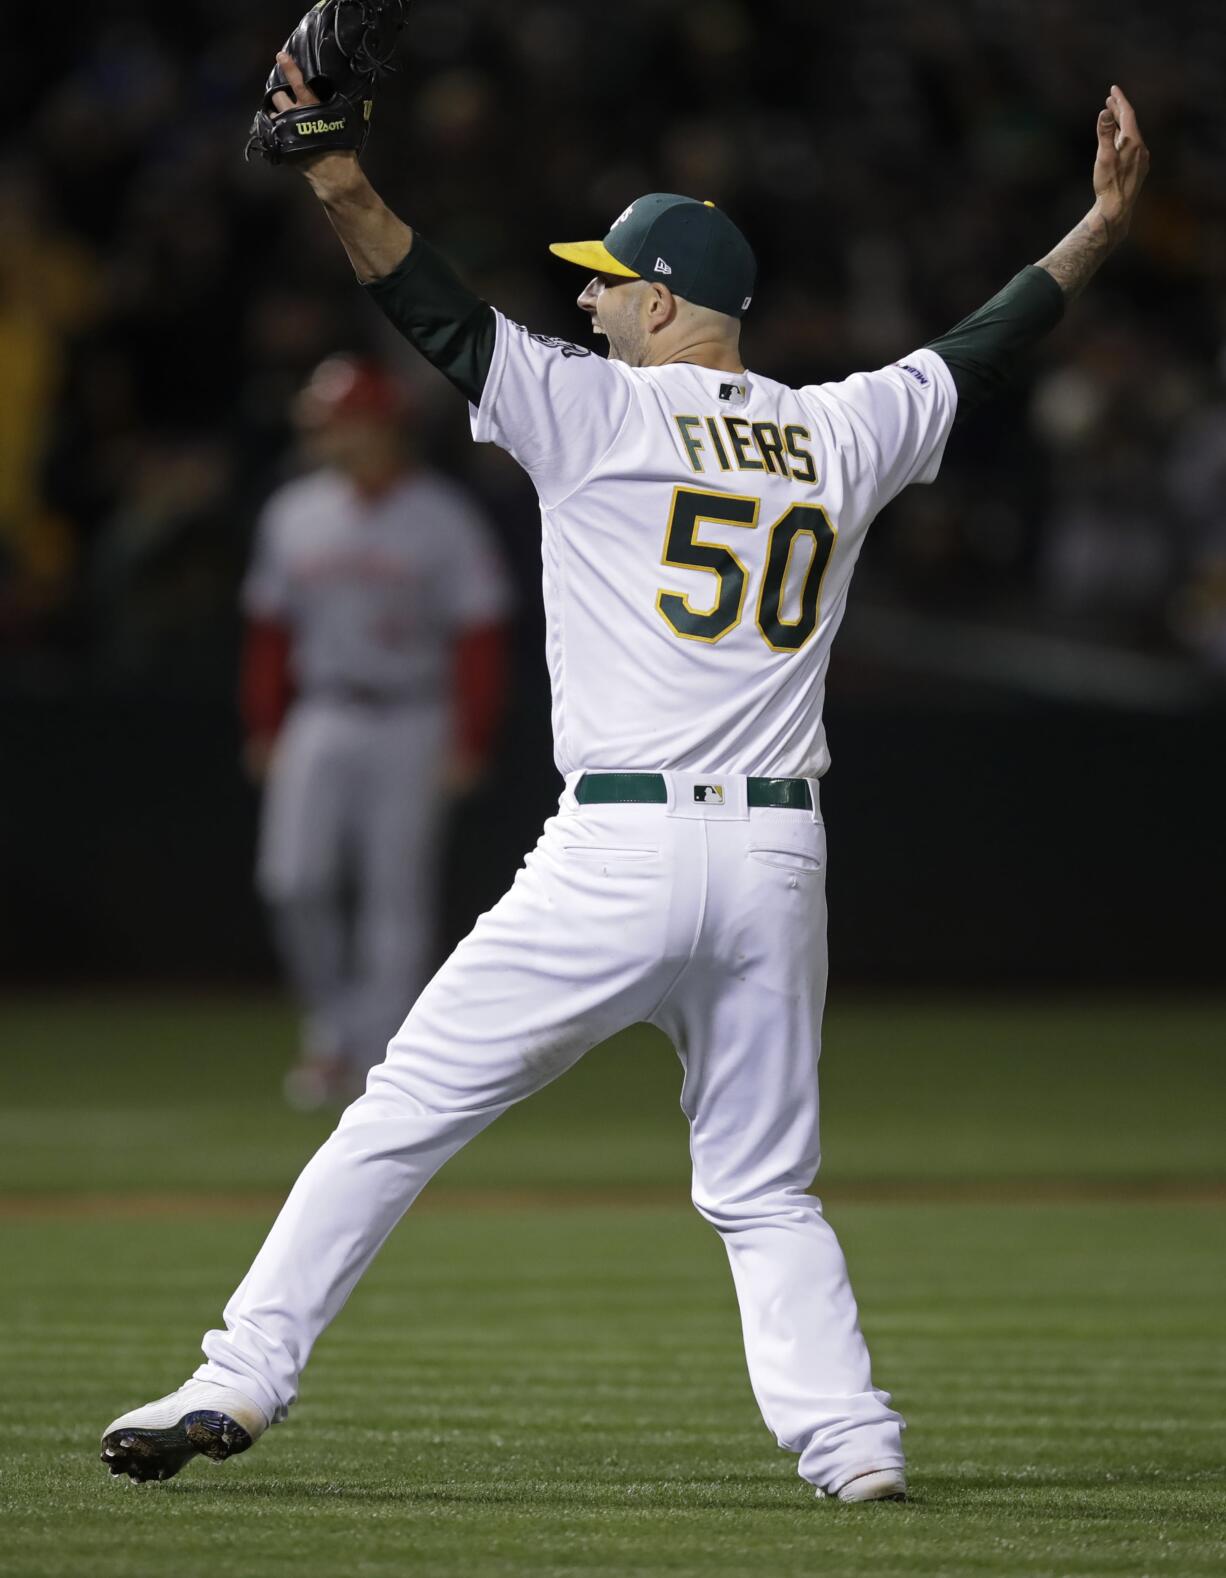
{"points": [[341, 47]]}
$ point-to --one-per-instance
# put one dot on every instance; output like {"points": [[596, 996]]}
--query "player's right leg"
{"points": [[585, 942], [396, 845], [305, 819]]}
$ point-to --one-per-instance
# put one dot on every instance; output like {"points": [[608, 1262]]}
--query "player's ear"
{"points": [[661, 306]]}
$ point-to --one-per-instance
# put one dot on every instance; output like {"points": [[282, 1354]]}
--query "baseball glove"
{"points": [[341, 47]]}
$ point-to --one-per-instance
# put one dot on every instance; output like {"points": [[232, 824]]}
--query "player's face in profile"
{"points": [[614, 306]]}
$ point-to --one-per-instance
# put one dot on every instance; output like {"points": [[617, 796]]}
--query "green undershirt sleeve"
{"points": [[438, 315], [982, 351]]}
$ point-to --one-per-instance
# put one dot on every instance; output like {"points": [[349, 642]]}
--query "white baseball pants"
{"points": [[347, 865], [710, 922]]}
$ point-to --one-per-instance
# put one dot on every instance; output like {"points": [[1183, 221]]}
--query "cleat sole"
{"points": [[145, 1455]]}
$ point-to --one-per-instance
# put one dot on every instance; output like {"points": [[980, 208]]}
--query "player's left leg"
{"points": [[746, 1020], [594, 929], [584, 943]]}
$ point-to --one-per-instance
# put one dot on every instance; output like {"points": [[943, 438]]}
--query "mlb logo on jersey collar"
{"points": [[734, 392]]}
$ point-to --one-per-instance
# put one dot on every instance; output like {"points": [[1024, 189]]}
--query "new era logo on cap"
{"points": [[662, 267]]}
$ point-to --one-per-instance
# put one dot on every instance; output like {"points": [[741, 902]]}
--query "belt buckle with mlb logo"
{"points": [[709, 794]]}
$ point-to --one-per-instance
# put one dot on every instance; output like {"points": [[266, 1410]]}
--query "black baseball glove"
{"points": [[340, 46]]}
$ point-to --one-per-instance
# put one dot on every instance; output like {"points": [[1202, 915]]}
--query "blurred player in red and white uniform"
{"points": [[372, 681]]}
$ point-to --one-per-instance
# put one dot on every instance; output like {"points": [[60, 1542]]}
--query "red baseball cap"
{"points": [[353, 386]]}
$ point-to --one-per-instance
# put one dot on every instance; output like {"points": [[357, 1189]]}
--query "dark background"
{"points": [[1028, 711]]}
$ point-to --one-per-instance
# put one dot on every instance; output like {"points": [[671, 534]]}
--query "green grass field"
{"points": [[543, 1372]]}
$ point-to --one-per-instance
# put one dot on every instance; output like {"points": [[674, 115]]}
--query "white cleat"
{"points": [[155, 1441], [879, 1484]]}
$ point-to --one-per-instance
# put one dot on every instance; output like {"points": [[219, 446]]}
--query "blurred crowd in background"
{"points": [[161, 300]]}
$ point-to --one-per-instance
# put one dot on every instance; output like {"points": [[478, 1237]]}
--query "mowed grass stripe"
{"points": [[543, 1373], [553, 1393], [135, 1205]]}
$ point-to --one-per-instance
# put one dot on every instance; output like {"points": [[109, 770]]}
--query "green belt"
{"points": [[791, 794]]}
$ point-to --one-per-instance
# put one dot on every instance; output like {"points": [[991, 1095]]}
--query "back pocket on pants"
{"points": [[786, 859]]}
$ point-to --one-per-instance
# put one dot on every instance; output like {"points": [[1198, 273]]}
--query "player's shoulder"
{"points": [[549, 348], [305, 511], [921, 374]]}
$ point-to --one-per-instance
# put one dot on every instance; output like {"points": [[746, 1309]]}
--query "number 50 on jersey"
{"points": [[799, 545]]}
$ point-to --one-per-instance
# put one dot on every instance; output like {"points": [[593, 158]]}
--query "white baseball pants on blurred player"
{"points": [[707, 920], [347, 864]]}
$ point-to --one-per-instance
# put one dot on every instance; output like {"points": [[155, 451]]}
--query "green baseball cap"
{"points": [[689, 246]]}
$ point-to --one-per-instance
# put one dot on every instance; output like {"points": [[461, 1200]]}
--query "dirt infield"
{"points": [[138, 1206]]}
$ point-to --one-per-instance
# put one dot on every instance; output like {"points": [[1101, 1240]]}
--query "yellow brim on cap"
{"points": [[593, 255]]}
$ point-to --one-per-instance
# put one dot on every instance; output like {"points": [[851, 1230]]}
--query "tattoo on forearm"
{"points": [[1075, 260]]}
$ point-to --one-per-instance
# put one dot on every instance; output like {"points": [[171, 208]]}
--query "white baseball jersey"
{"points": [[373, 590], [700, 530]]}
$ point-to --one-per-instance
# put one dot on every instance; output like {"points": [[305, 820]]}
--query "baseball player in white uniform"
{"points": [[700, 524], [376, 597]]}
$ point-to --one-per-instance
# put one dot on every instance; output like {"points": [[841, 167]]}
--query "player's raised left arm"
{"points": [[982, 351], [1119, 174]]}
